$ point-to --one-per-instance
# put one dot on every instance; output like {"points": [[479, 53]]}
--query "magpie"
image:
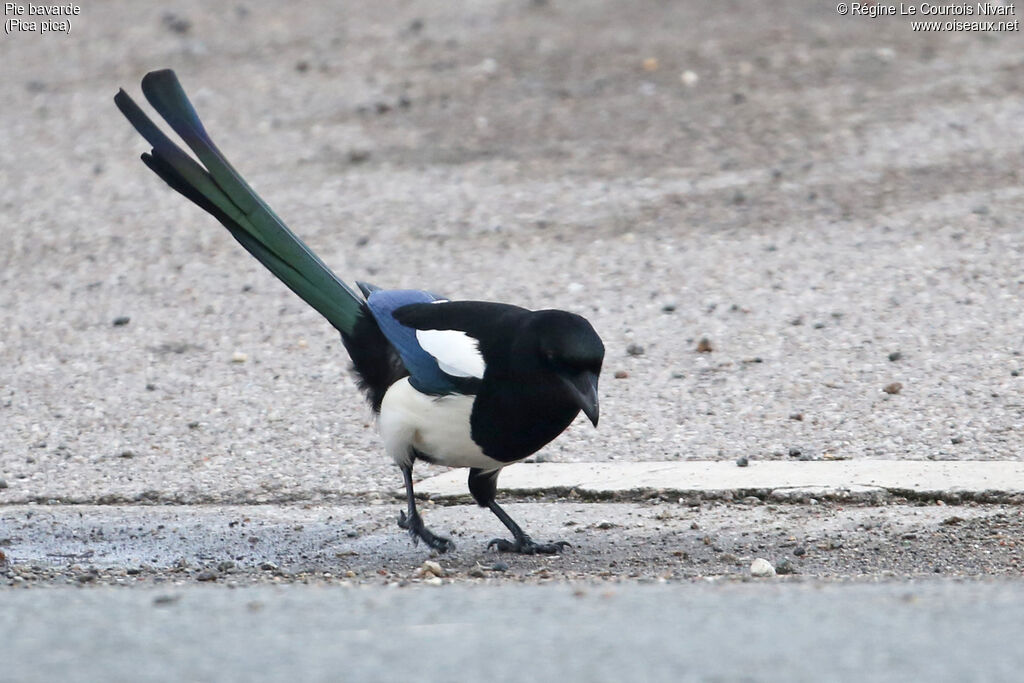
{"points": [[457, 383]]}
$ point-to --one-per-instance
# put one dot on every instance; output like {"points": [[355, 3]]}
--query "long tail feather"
{"points": [[216, 187]]}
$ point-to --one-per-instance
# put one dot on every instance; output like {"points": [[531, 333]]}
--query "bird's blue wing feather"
{"points": [[424, 373]]}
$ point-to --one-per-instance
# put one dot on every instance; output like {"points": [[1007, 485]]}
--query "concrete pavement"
{"points": [[856, 480], [926, 631]]}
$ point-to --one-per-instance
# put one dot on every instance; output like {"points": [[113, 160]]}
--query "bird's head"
{"points": [[567, 346]]}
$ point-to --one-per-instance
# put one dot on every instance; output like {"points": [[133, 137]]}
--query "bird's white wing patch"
{"points": [[456, 352]]}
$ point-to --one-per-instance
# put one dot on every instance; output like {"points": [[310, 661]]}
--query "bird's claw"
{"points": [[527, 546], [418, 531]]}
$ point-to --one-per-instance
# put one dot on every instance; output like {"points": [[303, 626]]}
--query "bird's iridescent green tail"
{"points": [[215, 186]]}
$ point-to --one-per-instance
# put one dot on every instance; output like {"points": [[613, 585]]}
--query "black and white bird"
{"points": [[457, 383]]}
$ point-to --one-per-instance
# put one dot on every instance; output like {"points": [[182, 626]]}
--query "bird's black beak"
{"points": [[583, 387]]}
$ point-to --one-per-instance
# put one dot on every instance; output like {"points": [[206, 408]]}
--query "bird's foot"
{"points": [[418, 531], [527, 546]]}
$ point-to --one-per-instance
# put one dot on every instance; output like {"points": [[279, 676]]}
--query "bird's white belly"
{"points": [[436, 426]]}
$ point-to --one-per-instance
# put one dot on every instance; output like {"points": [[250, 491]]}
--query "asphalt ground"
{"points": [[828, 193], [831, 202]]}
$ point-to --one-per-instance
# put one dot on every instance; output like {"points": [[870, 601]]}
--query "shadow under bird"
{"points": [[457, 383]]}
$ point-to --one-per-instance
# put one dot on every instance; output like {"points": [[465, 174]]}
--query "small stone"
{"points": [[239, 357], [635, 350], [207, 575], [704, 345], [895, 356], [761, 567], [799, 551], [742, 461], [433, 568], [795, 452], [358, 156], [499, 566], [268, 566], [604, 524], [225, 566], [650, 64], [132, 571], [668, 308], [957, 440], [689, 78], [121, 320], [489, 66], [433, 581], [799, 417], [86, 577], [785, 567], [175, 23], [621, 374], [166, 599], [893, 388], [127, 454], [477, 572], [3, 483]]}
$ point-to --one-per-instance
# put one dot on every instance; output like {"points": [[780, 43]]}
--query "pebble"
{"points": [[799, 551], [3, 483], [499, 566], [432, 568], [893, 388], [742, 461], [207, 575], [635, 350], [689, 78], [166, 599], [761, 567], [895, 356], [477, 572], [785, 567], [604, 524], [121, 320], [704, 345], [239, 357], [621, 374]]}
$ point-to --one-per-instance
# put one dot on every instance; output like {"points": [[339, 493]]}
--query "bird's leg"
{"points": [[483, 486], [414, 523]]}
